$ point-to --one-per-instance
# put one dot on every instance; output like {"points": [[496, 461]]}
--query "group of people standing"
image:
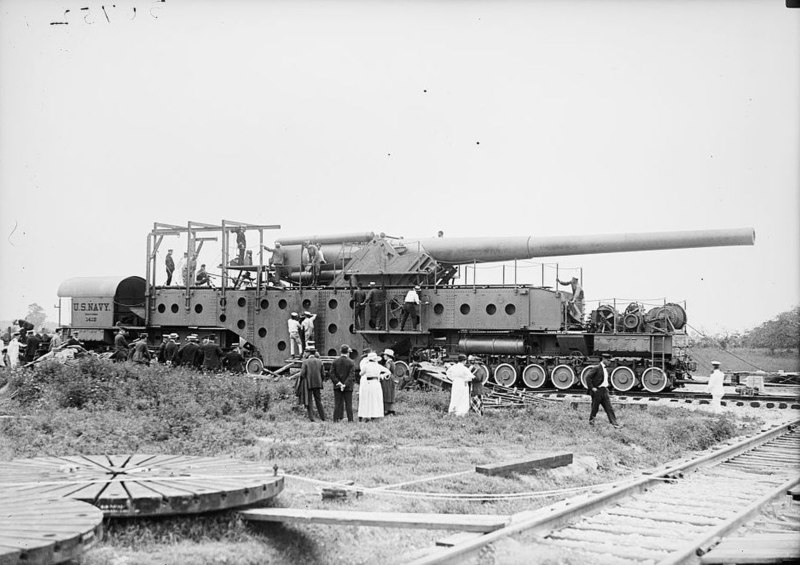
{"points": [[466, 388], [25, 345], [376, 384], [301, 332], [205, 355]]}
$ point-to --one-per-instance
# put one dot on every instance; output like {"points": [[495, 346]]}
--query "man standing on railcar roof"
{"points": [[575, 303], [278, 261], [597, 381], [169, 263]]}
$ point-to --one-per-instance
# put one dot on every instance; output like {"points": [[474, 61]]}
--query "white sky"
{"points": [[544, 118]]}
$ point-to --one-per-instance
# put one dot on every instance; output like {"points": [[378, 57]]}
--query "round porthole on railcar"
{"points": [[281, 346], [333, 328], [331, 353], [175, 308], [198, 308], [465, 309], [333, 304], [242, 302], [162, 308], [306, 304], [438, 309], [491, 309], [241, 324], [262, 332], [264, 303], [510, 309], [282, 304], [222, 318], [352, 328]]}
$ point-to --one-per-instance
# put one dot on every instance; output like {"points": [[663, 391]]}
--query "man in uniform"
{"points": [[56, 340], [310, 383], [202, 277], [120, 347], [32, 346], [308, 326], [24, 327], [294, 334], [715, 387], [576, 302], [343, 375], [376, 298], [212, 354], [233, 360], [141, 354], [241, 243], [597, 380], [170, 348], [359, 300], [187, 354], [278, 261], [169, 263], [315, 260], [387, 382], [411, 308]]}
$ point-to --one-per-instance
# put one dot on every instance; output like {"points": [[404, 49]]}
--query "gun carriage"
{"points": [[524, 333]]}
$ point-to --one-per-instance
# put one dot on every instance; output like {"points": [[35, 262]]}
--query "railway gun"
{"points": [[525, 334]]}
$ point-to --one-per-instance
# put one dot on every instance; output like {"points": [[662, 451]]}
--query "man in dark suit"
{"points": [[597, 379], [343, 375], [310, 380], [212, 354], [169, 263], [359, 303]]}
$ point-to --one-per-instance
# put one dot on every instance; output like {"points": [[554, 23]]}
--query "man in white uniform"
{"points": [[460, 377], [715, 387]]}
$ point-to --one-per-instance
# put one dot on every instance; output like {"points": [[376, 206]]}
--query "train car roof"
{"points": [[77, 287]]}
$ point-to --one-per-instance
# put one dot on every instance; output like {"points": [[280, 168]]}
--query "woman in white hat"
{"points": [[460, 377], [370, 395]]}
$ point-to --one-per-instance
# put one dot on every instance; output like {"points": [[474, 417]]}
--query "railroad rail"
{"points": [[670, 515]]}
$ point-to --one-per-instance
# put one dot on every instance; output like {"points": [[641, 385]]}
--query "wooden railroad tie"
{"points": [[464, 522], [540, 461], [757, 548], [335, 492]]}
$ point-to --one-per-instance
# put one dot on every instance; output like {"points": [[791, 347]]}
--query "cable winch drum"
{"points": [[492, 345]]}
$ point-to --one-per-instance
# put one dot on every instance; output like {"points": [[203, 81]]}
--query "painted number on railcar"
{"points": [[92, 312]]}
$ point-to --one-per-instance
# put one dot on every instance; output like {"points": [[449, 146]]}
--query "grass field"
{"points": [[102, 408], [745, 359]]}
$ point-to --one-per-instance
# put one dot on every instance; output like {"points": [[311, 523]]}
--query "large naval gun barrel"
{"points": [[490, 249]]}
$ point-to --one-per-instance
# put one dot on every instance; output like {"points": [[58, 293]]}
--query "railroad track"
{"points": [[498, 395], [670, 516]]}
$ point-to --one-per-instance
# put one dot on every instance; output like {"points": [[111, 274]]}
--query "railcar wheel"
{"points": [[482, 372], [254, 366], [623, 379], [654, 380], [505, 374], [563, 377], [583, 376], [401, 369], [534, 376]]}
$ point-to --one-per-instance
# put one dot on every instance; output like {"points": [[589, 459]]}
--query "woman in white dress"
{"points": [[13, 350], [460, 377], [370, 394]]}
